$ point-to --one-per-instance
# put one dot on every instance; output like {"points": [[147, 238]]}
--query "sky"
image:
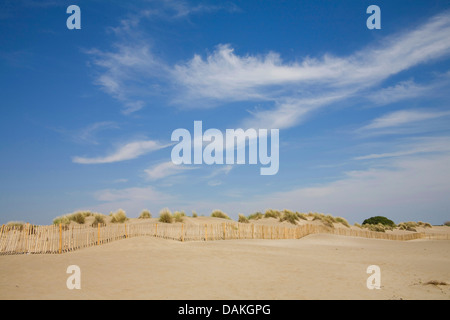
{"points": [[87, 115]]}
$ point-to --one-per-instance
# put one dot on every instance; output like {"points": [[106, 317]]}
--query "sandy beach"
{"points": [[318, 266]]}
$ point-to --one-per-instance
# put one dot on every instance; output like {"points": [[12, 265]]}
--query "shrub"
{"points": [[219, 214], [119, 217], [272, 214], [98, 219], [179, 216], [194, 214], [447, 223], [165, 216], [379, 220], [256, 216], [243, 219]]}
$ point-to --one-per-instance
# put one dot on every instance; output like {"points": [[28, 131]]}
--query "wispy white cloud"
{"points": [[127, 73], [401, 91], [404, 117], [295, 89], [165, 169], [177, 9], [130, 69], [216, 173], [128, 151], [225, 76], [290, 112], [88, 133], [415, 146]]}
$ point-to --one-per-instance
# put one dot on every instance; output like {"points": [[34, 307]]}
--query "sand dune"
{"points": [[314, 267]]}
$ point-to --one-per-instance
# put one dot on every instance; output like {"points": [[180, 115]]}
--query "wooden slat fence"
{"points": [[59, 238]]}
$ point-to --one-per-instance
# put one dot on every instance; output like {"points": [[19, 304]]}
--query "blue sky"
{"points": [[87, 115]]}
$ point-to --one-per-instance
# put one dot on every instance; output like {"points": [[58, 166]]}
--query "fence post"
{"points": [[126, 234], [60, 238], [1, 233], [206, 232], [182, 232], [253, 231], [224, 232], [26, 237], [98, 234]]}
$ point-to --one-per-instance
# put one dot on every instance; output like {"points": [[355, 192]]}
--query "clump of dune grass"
{"points": [[289, 216], [165, 216], [408, 226], [179, 216], [376, 227], [220, 214], [327, 220], [342, 221], [255, 216], [61, 220], [194, 214], [272, 214], [145, 214], [356, 224], [77, 216], [301, 215], [316, 216], [18, 225], [98, 219], [242, 218], [119, 216], [424, 224]]}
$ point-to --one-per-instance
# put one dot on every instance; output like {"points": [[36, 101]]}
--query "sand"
{"points": [[314, 267]]}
